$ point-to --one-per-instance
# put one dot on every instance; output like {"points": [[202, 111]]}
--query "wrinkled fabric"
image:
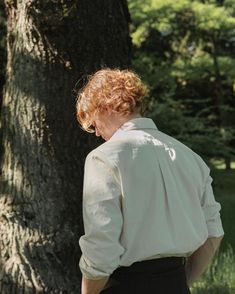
{"points": [[145, 196]]}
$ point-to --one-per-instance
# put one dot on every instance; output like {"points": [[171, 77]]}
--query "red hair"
{"points": [[121, 90]]}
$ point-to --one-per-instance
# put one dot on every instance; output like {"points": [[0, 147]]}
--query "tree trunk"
{"points": [[227, 161], [2, 58], [51, 44]]}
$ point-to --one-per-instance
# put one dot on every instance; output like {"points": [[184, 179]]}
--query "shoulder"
{"points": [[111, 151], [185, 153], [102, 154]]}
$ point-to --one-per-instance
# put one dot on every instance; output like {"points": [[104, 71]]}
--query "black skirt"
{"points": [[156, 276]]}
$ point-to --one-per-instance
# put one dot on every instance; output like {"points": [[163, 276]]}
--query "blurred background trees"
{"points": [[185, 50]]}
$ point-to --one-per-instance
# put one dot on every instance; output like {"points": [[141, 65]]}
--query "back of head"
{"points": [[122, 91]]}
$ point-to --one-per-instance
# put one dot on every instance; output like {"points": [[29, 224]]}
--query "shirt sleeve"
{"points": [[211, 209], [102, 216]]}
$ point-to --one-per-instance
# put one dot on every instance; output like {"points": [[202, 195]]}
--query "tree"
{"points": [[50, 45], [185, 51], [2, 45], [2, 58]]}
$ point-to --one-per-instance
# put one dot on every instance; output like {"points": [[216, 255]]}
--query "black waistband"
{"points": [[158, 265]]}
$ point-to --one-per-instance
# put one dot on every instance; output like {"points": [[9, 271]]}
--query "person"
{"points": [[151, 221]]}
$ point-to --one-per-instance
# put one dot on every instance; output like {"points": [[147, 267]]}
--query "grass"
{"points": [[224, 190], [220, 276]]}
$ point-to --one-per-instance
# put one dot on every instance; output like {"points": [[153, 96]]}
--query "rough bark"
{"points": [[51, 44], [2, 58]]}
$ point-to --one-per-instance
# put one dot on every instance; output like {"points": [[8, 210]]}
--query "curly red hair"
{"points": [[120, 90]]}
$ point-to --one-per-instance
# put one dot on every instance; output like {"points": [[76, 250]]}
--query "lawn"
{"points": [[224, 190], [220, 277]]}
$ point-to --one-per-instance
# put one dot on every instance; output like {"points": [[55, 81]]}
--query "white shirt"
{"points": [[146, 196]]}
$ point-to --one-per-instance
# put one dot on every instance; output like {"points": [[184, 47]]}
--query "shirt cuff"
{"points": [[215, 228], [213, 220], [89, 271]]}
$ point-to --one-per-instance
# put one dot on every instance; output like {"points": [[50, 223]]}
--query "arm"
{"points": [[92, 286], [102, 216], [198, 262]]}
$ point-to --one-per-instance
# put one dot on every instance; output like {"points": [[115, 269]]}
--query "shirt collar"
{"points": [[139, 123]]}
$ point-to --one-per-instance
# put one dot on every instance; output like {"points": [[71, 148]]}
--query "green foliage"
{"points": [[185, 51]]}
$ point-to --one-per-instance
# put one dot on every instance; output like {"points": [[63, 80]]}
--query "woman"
{"points": [[148, 205]]}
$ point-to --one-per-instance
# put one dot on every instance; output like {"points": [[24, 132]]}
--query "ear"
{"points": [[109, 109]]}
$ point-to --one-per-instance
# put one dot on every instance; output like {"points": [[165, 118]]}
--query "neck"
{"points": [[124, 119]]}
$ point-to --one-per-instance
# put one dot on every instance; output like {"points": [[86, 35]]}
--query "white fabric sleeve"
{"points": [[102, 216], [211, 209]]}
